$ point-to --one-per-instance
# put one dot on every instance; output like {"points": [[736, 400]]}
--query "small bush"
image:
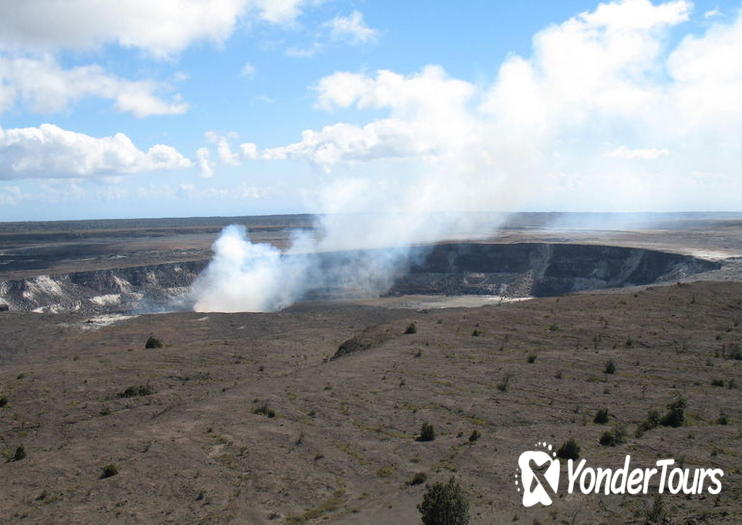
{"points": [[476, 332], [427, 432], [3, 401], [153, 342], [723, 420], [531, 358], [444, 504], [652, 421], [610, 367], [612, 438], [717, 382], [475, 435], [108, 471], [601, 416], [418, 479], [411, 329], [264, 410], [136, 391], [502, 386], [569, 449], [20, 453], [675, 416]]}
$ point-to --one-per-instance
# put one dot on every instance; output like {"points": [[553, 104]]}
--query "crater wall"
{"points": [[509, 270]]}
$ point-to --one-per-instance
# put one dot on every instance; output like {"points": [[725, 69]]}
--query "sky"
{"points": [[181, 108]]}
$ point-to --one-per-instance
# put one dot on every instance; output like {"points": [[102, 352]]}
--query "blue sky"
{"points": [[533, 105]]}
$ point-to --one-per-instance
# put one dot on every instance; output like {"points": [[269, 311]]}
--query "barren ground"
{"points": [[342, 446]]}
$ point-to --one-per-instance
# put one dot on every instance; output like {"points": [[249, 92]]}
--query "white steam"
{"points": [[247, 277], [610, 112]]}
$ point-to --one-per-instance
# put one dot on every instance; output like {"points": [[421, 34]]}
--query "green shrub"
{"points": [[427, 432], [20, 453], [717, 382], [108, 471], [153, 342], [601, 416], [531, 358], [3, 401], [411, 329], [723, 420], [444, 504], [675, 416], [475, 435], [610, 367], [264, 410], [569, 449], [418, 479], [136, 391], [652, 421], [617, 436]]}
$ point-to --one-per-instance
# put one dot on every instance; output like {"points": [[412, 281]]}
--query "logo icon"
{"points": [[538, 475]]}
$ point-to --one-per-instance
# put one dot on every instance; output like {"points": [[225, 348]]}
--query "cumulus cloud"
{"points": [[224, 148], [352, 29], [204, 163], [49, 151], [380, 140], [226, 155], [43, 86], [604, 76], [159, 28]]}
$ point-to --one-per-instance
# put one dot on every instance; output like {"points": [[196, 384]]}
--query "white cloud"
{"points": [[160, 28], [43, 86], [414, 94], [249, 151], [226, 155], [223, 147], [50, 151], [610, 76], [304, 52], [711, 13], [247, 71], [622, 152], [382, 139], [351, 29], [204, 163]]}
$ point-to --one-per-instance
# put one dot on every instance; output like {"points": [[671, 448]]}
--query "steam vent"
{"points": [[508, 270]]}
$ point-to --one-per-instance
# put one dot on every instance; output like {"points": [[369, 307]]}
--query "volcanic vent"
{"points": [[507, 270]]}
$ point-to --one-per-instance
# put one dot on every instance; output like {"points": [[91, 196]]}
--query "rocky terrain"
{"points": [[247, 418], [312, 414]]}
